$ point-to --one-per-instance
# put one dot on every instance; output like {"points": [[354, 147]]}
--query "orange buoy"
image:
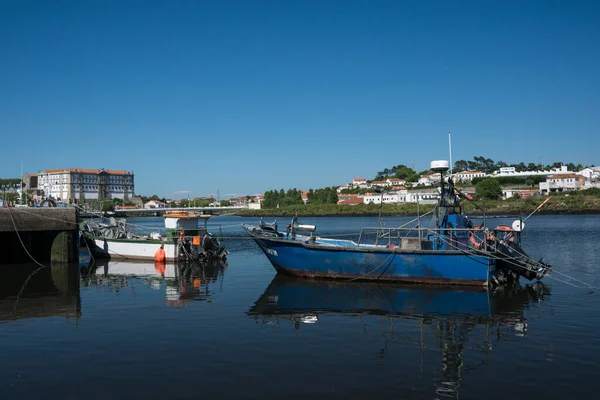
{"points": [[509, 234], [473, 238]]}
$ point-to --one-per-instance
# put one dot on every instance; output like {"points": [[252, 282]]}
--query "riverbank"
{"points": [[571, 204]]}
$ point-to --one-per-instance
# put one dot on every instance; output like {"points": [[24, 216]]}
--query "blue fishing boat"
{"points": [[451, 251]]}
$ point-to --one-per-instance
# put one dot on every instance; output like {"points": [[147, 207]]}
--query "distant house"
{"points": [[395, 181], [512, 171], [468, 176], [256, 202], [380, 183], [304, 196], [590, 173], [429, 180], [562, 183], [347, 196], [423, 197], [392, 197], [360, 182], [351, 202], [155, 204], [521, 193]]}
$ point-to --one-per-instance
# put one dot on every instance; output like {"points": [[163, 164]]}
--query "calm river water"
{"points": [[127, 330]]}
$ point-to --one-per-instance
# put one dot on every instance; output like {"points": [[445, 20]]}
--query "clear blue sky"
{"points": [[248, 96]]}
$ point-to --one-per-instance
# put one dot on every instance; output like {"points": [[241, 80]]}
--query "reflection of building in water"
{"points": [[454, 320], [182, 282]]}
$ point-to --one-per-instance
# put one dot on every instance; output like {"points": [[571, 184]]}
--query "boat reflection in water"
{"points": [[417, 314], [182, 282]]}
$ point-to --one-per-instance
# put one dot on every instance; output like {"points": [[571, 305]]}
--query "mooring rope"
{"points": [[513, 261]]}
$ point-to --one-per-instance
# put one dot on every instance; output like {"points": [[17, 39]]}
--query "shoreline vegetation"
{"points": [[564, 204]]}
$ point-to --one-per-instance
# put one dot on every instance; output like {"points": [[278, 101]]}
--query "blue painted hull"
{"points": [[417, 266]]}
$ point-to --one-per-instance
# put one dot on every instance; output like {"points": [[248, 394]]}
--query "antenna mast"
{"points": [[450, 147]]}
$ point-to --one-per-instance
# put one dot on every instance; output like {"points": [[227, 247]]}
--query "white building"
{"points": [[429, 180], [155, 204], [468, 176], [387, 197], [591, 173], [395, 181], [562, 183], [83, 185], [423, 197], [360, 182], [511, 171], [256, 202]]}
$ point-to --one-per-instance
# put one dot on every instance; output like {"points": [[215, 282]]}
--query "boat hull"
{"points": [[124, 249], [381, 264]]}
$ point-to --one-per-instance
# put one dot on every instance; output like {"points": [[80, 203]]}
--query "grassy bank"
{"points": [[571, 204]]}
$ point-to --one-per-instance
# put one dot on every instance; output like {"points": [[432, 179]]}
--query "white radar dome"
{"points": [[518, 225], [440, 165]]}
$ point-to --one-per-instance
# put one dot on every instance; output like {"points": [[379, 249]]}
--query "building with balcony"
{"points": [[562, 183]]}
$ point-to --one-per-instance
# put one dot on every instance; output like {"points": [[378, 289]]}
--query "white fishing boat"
{"points": [[184, 239]]}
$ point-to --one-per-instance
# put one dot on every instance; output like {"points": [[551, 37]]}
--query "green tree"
{"points": [[532, 167], [108, 205], [461, 165], [489, 188], [326, 195]]}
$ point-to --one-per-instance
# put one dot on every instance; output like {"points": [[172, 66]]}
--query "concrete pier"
{"points": [[43, 234]]}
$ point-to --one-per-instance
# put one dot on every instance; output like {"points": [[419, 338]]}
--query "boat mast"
{"points": [[450, 150]]}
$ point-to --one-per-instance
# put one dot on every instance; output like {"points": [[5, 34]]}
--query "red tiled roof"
{"points": [[351, 201], [348, 195], [359, 179], [87, 171]]}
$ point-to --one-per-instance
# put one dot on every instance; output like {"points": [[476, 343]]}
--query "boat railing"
{"points": [[420, 237], [386, 236]]}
